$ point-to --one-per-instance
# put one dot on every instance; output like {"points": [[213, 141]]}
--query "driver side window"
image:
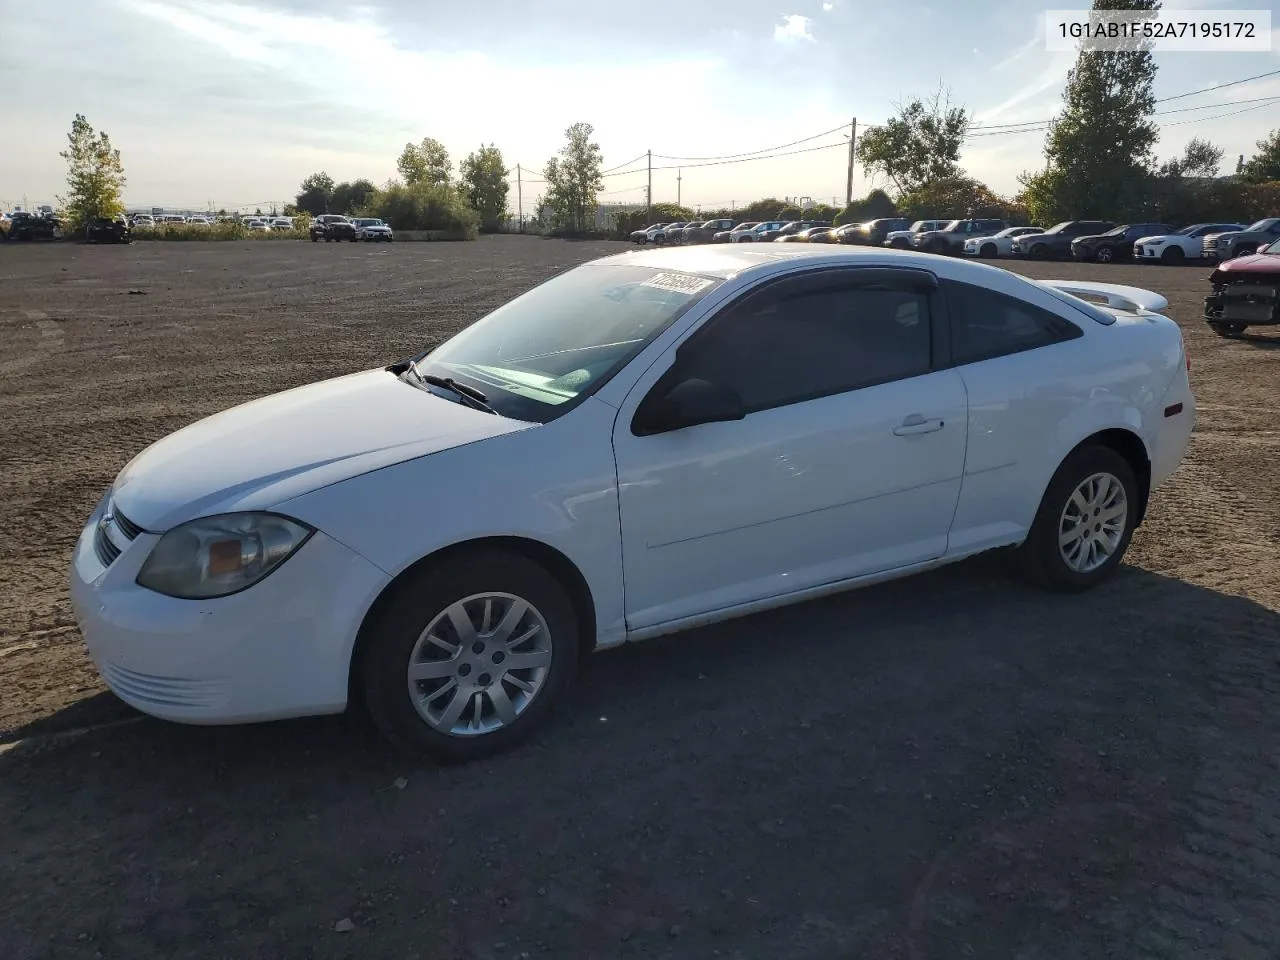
{"points": [[804, 340]]}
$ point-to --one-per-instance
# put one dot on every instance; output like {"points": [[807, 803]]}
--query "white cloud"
{"points": [[828, 7], [793, 27]]}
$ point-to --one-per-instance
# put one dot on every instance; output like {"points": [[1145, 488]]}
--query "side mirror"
{"points": [[688, 404]]}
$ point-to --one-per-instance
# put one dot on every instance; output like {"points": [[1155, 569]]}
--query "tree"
{"points": [[956, 198], [1265, 164], [1200, 158], [873, 206], [573, 181], [920, 144], [1098, 149], [349, 198], [484, 181], [315, 193], [425, 162], [424, 206], [95, 175]]}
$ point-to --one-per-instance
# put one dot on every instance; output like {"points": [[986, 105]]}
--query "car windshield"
{"points": [[534, 356], [1059, 227], [1119, 231], [1260, 225]]}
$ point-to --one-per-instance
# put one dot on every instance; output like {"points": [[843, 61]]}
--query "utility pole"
{"points": [[520, 197], [853, 139], [648, 193], [679, 172]]}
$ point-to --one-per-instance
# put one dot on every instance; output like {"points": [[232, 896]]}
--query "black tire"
{"points": [[938, 247], [1172, 255], [897, 243], [1105, 255], [314, 238], [1228, 329], [1040, 558], [988, 250], [1039, 252], [426, 594]]}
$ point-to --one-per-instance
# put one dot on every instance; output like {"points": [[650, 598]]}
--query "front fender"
{"points": [[555, 484]]}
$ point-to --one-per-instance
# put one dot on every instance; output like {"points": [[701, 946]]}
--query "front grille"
{"points": [[127, 526], [106, 548]]}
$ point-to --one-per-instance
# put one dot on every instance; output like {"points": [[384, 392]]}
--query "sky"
{"points": [[231, 103]]}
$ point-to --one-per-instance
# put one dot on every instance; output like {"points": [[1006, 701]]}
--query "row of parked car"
{"points": [[1099, 241]]}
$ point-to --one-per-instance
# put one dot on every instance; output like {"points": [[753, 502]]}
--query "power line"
{"points": [[1232, 83], [750, 153], [1219, 116], [627, 164], [1041, 125]]}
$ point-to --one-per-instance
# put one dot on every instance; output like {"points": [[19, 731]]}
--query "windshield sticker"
{"points": [[679, 282]]}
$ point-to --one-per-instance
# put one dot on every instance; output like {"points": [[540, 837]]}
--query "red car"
{"points": [[1246, 293]]}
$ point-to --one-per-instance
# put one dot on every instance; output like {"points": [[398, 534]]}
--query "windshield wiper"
{"points": [[469, 395]]}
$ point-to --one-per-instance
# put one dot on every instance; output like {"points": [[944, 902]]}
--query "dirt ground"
{"points": [[945, 767]]}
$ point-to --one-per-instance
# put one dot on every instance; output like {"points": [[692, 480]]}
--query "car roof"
{"points": [[730, 260]]}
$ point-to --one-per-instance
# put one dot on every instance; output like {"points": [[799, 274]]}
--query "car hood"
{"points": [[1254, 263], [1160, 238], [1093, 238], [284, 445]]}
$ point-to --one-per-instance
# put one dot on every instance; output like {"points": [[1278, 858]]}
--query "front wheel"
{"points": [[468, 658], [987, 250], [1105, 255], [1039, 252], [1172, 255], [1084, 523]]}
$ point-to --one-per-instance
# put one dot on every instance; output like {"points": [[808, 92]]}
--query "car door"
{"points": [[846, 461], [1016, 355]]}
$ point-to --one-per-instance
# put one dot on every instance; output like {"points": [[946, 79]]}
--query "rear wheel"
{"points": [[469, 658], [1228, 329], [1085, 522], [1172, 255]]}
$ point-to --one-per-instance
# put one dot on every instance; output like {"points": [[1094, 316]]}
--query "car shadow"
{"points": [[877, 762]]}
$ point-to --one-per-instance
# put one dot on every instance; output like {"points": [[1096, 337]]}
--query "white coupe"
{"points": [[642, 444], [1176, 247], [998, 244]]}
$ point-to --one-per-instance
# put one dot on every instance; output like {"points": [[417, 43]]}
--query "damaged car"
{"points": [[1246, 293]]}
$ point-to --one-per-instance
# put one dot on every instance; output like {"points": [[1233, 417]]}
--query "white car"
{"points": [[1176, 247], [901, 239], [371, 228], [642, 444], [281, 223], [258, 225], [998, 244]]}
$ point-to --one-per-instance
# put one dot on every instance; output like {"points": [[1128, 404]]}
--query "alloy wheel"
{"points": [[479, 664], [1093, 522]]}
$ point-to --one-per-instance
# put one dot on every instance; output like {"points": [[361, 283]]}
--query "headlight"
{"points": [[217, 556]]}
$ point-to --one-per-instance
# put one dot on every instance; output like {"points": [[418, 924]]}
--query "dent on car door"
{"points": [[1018, 360], [846, 460]]}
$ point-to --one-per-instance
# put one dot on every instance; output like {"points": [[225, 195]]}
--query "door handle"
{"points": [[916, 424]]}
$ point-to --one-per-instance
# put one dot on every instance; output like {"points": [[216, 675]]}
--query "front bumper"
{"points": [[1253, 304], [281, 648]]}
